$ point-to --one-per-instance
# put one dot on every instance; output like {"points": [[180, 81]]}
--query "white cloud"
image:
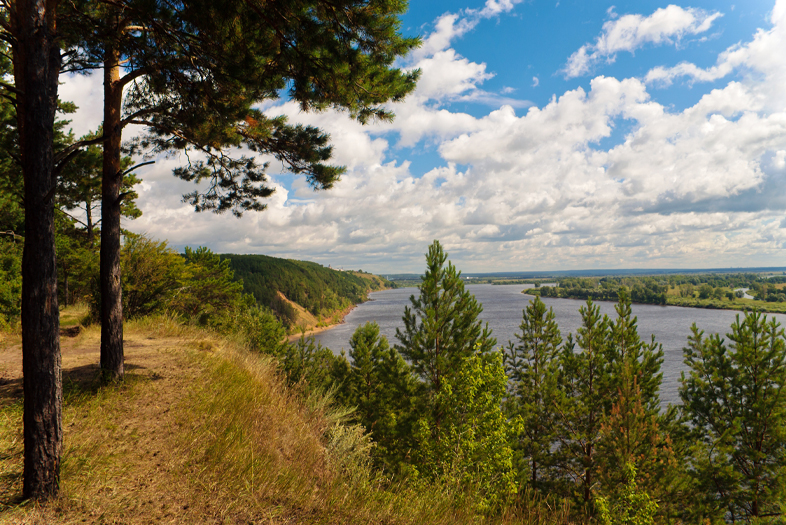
{"points": [[560, 185], [87, 92], [762, 54], [496, 7], [666, 25]]}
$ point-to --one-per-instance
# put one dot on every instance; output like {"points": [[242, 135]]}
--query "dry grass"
{"points": [[201, 431]]}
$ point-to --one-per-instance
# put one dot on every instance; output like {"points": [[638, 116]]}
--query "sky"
{"points": [[543, 135]]}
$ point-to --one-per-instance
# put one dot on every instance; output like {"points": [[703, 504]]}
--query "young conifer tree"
{"points": [[532, 368], [584, 394], [382, 388], [461, 433], [441, 328], [735, 399], [632, 359]]}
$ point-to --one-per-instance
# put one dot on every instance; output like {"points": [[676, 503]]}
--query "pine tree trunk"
{"points": [[36, 69], [111, 298], [89, 221]]}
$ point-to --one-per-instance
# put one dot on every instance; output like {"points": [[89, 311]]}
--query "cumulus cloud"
{"points": [[557, 185], [667, 25], [762, 54]]}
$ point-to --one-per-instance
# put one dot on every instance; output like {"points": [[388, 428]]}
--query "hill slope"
{"points": [[323, 292], [200, 431]]}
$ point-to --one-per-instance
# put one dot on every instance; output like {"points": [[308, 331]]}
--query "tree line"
{"points": [[669, 289], [319, 290]]}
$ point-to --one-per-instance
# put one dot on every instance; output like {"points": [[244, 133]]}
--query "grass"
{"points": [[202, 431]]}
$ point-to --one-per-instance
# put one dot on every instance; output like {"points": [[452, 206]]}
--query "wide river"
{"points": [[502, 306]]}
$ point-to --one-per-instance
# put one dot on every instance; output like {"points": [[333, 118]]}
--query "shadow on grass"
{"points": [[81, 384], [77, 382]]}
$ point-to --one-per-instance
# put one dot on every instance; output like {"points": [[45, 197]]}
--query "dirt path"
{"points": [[120, 444]]}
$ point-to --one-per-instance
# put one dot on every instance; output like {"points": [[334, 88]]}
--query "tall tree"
{"points": [[532, 368], [441, 328], [461, 435], [31, 28], [584, 398], [193, 71], [735, 398]]}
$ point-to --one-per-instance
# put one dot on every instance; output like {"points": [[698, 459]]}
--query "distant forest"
{"points": [[319, 290], [707, 290]]}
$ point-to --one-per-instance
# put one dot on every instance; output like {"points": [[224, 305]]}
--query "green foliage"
{"points": [[382, 388], [312, 365], [77, 262], [468, 448], [318, 289], [199, 71], [462, 436], [152, 275], [632, 435], [734, 397], [630, 507], [259, 328], [630, 358], [532, 368], [79, 186], [596, 435], [208, 287], [198, 286], [442, 327], [711, 290], [10, 282]]}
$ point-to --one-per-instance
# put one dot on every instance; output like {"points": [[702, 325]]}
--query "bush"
{"points": [[198, 286]]}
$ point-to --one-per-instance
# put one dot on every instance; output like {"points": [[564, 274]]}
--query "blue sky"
{"points": [[542, 136]]}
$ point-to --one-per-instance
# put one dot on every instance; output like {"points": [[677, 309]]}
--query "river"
{"points": [[502, 306]]}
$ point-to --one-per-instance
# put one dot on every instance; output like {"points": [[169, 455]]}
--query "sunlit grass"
{"points": [[202, 431]]}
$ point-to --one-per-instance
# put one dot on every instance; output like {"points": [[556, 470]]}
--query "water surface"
{"points": [[502, 306]]}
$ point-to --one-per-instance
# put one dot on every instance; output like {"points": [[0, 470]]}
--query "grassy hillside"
{"points": [[202, 431], [320, 291]]}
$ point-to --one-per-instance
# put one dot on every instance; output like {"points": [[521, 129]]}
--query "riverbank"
{"points": [[340, 316]]}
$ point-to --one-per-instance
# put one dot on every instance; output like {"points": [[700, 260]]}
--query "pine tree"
{"points": [[631, 359], [191, 74], [31, 28], [734, 397], [584, 382], [532, 368], [441, 328], [461, 435], [381, 386], [631, 435]]}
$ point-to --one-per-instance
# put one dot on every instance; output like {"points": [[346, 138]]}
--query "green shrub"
{"points": [[10, 282]]}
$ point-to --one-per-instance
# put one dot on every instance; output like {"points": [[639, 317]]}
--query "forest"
{"points": [[322, 291], [741, 291]]}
